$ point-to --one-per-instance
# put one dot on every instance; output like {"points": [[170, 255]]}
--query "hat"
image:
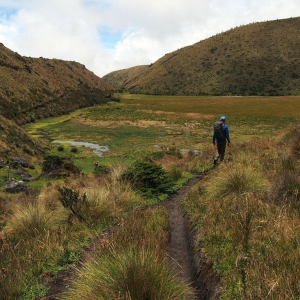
{"points": [[223, 118]]}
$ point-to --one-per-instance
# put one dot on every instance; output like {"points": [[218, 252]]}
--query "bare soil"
{"points": [[180, 251]]}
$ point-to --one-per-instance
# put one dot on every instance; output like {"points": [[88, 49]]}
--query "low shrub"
{"points": [[149, 178], [55, 166], [71, 200], [74, 150], [60, 148]]}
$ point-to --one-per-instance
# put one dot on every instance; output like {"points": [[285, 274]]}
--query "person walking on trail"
{"points": [[220, 138]]}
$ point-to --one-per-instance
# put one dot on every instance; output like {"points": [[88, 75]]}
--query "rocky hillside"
{"points": [[32, 88], [256, 59]]}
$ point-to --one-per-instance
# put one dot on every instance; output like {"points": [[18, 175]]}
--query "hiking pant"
{"points": [[221, 151]]}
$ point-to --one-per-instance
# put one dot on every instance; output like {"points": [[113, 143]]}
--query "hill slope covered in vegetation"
{"points": [[255, 59], [32, 88]]}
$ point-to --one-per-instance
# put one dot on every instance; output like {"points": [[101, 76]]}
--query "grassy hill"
{"points": [[256, 59], [120, 79], [38, 87], [32, 88]]}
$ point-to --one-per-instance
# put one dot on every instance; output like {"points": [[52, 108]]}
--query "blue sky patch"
{"points": [[7, 12], [109, 38], [102, 4]]}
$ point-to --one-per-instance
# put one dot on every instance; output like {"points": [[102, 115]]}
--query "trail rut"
{"points": [[179, 250]]}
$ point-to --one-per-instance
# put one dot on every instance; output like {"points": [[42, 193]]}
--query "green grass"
{"points": [[139, 122]]}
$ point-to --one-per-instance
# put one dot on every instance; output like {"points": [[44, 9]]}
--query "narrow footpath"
{"points": [[179, 250]]}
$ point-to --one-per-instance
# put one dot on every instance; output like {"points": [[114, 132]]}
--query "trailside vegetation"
{"points": [[247, 218]]}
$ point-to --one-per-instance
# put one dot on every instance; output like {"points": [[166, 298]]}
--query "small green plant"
{"points": [[74, 150], [60, 148], [176, 172]]}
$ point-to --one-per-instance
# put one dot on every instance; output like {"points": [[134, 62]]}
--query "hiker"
{"points": [[220, 136], [96, 164]]}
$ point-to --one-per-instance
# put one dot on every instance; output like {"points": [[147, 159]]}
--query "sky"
{"points": [[110, 35]]}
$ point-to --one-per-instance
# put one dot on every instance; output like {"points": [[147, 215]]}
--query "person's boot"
{"points": [[215, 161]]}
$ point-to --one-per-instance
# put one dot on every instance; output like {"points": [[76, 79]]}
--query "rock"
{"points": [[19, 162], [2, 164], [24, 175], [14, 186]]}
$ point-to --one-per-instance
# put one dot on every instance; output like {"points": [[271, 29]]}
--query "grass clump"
{"points": [[131, 263], [130, 273], [237, 179]]}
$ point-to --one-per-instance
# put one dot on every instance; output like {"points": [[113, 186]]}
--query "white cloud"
{"points": [[108, 35]]}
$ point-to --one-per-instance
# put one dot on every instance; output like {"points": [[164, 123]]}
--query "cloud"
{"points": [[108, 35]]}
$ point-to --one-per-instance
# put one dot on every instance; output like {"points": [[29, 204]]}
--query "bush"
{"points": [[74, 150], [101, 170], [149, 178], [57, 166], [60, 148], [71, 200]]}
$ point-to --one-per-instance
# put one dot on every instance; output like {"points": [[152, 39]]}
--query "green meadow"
{"points": [[143, 123]]}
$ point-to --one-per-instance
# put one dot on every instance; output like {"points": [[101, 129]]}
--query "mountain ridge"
{"points": [[261, 58]]}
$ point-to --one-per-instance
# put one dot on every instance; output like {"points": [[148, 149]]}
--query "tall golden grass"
{"points": [[132, 263], [248, 218], [40, 235]]}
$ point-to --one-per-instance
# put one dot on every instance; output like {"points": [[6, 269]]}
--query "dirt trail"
{"points": [[179, 250]]}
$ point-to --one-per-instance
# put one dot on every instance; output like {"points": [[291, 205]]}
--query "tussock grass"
{"points": [[236, 179], [133, 273], [295, 145], [131, 264], [31, 219], [41, 235], [109, 202]]}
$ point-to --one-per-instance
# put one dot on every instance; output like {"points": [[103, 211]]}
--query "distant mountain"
{"points": [[32, 88], [256, 59]]}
